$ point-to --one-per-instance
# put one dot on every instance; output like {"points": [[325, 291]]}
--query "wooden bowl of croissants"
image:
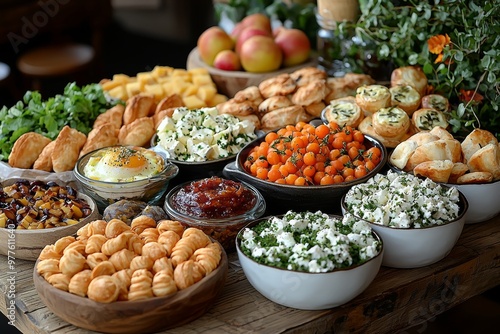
{"points": [[137, 277]]}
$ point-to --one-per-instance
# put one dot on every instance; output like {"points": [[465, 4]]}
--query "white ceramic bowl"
{"points": [[419, 247], [309, 291], [482, 198]]}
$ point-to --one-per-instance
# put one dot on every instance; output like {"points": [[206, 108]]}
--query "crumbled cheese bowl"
{"points": [[325, 267], [201, 141], [418, 220]]}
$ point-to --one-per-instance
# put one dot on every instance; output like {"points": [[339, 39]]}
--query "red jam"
{"points": [[214, 197]]}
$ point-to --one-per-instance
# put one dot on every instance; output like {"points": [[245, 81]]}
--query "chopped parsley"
{"points": [[310, 242]]}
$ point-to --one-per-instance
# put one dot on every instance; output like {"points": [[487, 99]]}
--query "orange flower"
{"points": [[470, 95], [437, 43]]}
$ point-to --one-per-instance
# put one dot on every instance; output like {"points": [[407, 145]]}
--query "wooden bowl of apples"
{"points": [[231, 82], [249, 52]]}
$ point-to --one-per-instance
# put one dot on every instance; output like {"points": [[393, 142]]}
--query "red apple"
{"points": [[248, 32], [235, 33], [258, 20], [295, 46], [211, 42], [260, 54], [227, 60]]}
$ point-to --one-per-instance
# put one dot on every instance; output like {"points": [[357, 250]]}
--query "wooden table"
{"points": [[396, 299]]}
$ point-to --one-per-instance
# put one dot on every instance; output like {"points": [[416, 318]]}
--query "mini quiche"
{"points": [[425, 119], [343, 111], [371, 98], [391, 122], [436, 102], [405, 97]]}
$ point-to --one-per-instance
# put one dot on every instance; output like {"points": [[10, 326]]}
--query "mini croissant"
{"points": [[115, 227], [135, 244], [62, 243], [49, 252], [208, 257], [79, 283], [170, 225], [191, 240], [94, 243], [105, 268], [163, 284], [140, 285], [78, 246], [115, 244], [141, 223], [123, 278], [150, 234], [168, 239], [103, 289], [59, 281], [121, 259], [72, 262], [95, 258], [141, 262], [48, 267], [187, 273], [153, 250], [163, 264], [94, 227]]}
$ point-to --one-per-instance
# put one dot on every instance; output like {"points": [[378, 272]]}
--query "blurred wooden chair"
{"points": [[53, 39], [54, 60]]}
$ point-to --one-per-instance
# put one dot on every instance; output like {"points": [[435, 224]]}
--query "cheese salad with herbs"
{"points": [[310, 242], [403, 201], [203, 134]]}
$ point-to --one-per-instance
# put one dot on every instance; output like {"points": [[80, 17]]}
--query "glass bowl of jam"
{"points": [[218, 206]]}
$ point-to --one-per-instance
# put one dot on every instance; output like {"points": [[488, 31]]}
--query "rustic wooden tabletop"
{"points": [[396, 299]]}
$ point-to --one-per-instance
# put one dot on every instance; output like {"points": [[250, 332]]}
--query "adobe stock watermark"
{"points": [[11, 275], [32, 25]]}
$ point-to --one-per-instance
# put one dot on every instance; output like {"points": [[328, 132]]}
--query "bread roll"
{"points": [[486, 159], [475, 140], [410, 75], [402, 152], [67, 148], [436, 170], [459, 169], [475, 177]]}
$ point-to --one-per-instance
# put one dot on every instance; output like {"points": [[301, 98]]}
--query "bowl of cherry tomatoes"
{"points": [[308, 167]]}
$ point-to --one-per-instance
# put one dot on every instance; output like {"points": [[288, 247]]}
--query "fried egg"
{"points": [[123, 164]]}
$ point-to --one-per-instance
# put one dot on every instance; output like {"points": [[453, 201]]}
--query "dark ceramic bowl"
{"points": [[283, 197]]}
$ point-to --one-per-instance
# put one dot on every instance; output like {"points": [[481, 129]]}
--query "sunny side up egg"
{"points": [[123, 164]]}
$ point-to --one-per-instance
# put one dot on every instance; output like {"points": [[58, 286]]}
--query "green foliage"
{"points": [[76, 107], [400, 30]]}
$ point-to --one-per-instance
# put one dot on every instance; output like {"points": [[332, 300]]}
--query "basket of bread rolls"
{"points": [[472, 165]]}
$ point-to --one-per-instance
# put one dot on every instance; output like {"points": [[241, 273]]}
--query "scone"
{"points": [[425, 119], [391, 122], [371, 98], [405, 97], [343, 111]]}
